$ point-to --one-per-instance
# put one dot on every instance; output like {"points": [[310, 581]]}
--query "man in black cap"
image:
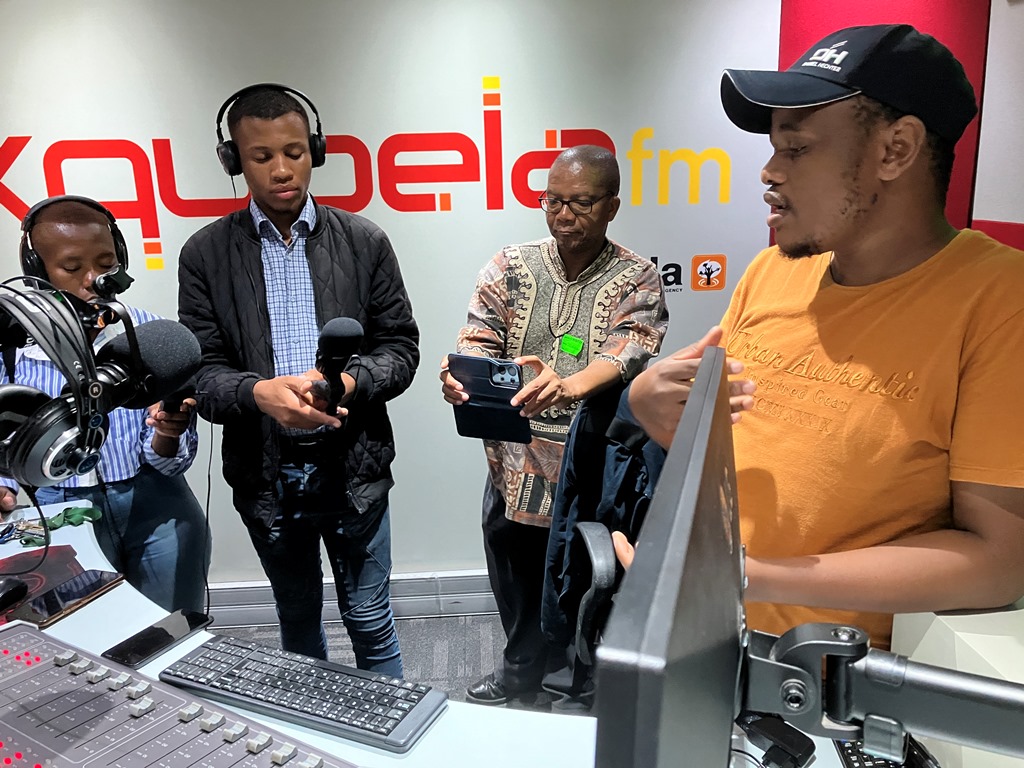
{"points": [[879, 470]]}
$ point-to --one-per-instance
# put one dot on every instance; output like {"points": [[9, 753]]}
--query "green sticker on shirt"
{"points": [[571, 345]]}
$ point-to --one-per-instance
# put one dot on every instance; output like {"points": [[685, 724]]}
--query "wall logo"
{"points": [[408, 172], [707, 272]]}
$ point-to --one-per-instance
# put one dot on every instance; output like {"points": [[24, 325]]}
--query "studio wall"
{"points": [[117, 99], [999, 194], [441, 119]]}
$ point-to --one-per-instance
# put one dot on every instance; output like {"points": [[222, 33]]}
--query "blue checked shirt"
{"points": [[128, 444], [294, 331]]}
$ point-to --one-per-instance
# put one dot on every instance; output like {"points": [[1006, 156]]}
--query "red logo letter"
{"points": [[142, 208], [360, 198], [9, 152], [195, 207], [391, 174]]}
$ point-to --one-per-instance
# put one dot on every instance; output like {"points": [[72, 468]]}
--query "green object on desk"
{"points": [[67, 516]]}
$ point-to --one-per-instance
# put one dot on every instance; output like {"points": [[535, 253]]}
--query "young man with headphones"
{"points": [[152, 528], [256, 287]]}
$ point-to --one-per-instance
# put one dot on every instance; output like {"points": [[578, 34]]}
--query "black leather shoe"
{"points": [[487, 690]]}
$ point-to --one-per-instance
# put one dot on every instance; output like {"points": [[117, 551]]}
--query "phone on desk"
{"points": [[490, 383], [143, 646], [56, 603]]}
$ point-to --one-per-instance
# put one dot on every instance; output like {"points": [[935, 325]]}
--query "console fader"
{"points": [[61, 707]]}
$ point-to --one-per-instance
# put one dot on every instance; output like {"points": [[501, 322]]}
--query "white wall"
{"points": [[998, 190], [139, 71]]}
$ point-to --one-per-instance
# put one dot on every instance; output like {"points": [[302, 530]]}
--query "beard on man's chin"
{"points": [[800, 250]]}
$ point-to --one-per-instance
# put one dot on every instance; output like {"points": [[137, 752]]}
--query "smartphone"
{"points": [[490, 383], [56, 603], [143, 646]]}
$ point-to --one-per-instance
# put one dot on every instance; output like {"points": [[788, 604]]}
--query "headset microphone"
{"points": [[110, 284], [107, 285], [339, 341]]}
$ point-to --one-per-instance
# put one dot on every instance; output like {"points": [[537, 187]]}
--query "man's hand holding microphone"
{"points": [[313, 399]]}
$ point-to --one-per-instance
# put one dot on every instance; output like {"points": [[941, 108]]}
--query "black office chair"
{"points": [[596, 603]]}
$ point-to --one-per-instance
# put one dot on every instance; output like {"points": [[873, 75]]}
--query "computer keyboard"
{"points": [[373, 709]]}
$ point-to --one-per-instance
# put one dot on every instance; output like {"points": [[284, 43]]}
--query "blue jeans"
{"points": [[153, 531], [290, 554]]}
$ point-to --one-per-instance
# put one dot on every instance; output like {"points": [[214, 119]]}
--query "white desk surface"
{"points": [[465, 736]]}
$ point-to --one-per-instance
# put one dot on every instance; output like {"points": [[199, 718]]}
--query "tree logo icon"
{"points": [[707, 272]]}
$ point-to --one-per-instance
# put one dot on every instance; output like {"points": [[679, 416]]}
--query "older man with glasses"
{"points": [[580, 314]]}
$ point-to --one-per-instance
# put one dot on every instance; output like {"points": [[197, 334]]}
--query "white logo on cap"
{"points": [[830, 55]]}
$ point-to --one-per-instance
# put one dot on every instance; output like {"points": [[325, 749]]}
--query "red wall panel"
{"points": [[1009, 232]]}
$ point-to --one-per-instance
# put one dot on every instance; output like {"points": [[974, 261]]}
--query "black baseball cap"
{"points": [[891, 63]]}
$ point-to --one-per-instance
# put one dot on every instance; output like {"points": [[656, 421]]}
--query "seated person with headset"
{"points": [[152, 528]]}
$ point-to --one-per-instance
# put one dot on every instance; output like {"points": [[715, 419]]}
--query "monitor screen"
{"points": [[669, 661]]}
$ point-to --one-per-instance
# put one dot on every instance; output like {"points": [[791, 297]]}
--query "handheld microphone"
{"points": [[172, 403], [339, 341], [169, 355]]}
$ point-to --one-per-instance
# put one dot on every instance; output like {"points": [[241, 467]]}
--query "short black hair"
{"points": [[70, 212], [266, 103], [941, 152], [597, 159]]}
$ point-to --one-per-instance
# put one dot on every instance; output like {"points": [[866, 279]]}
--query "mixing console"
{"points": [[61, 707]]}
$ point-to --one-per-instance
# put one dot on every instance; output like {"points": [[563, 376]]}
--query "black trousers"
{"points": [[515, 566]]}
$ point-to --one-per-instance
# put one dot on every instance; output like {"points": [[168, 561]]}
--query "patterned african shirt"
{"points": [[524, 305]]}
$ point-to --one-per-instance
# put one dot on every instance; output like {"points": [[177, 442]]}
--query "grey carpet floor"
{"points": [[448, 653]]}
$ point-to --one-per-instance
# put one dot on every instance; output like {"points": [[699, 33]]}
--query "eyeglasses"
{"points": [[578, 207]]}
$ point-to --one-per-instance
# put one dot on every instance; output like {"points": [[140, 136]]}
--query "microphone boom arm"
{"points": [[876, 695]]}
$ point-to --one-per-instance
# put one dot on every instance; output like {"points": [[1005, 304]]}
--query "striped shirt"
{"points": [[294, 331], [128, 443]]}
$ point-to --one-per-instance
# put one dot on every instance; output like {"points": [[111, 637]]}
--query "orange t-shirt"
{"points": [[870, 400]]}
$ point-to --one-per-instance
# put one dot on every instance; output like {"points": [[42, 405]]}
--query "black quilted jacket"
{"points": [[222, 300]]}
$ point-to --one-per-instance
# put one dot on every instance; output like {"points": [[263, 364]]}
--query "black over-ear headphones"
{"points": [[44, 440], [227, 150], [107, 285]]}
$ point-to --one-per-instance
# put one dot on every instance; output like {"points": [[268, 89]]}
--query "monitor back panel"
{"points": [[669, 661]]}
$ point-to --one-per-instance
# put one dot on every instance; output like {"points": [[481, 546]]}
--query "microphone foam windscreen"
{"points": [[342, 335], [170, 356]]}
